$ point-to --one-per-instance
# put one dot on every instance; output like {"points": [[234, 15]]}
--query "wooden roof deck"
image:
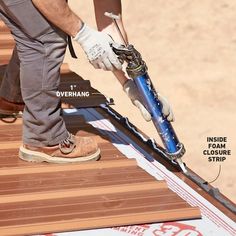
{"points": [[41, 198], [38, 198]]}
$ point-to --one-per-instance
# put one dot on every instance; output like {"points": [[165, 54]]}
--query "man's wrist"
{"points": [[80, 31], [82, 25]]}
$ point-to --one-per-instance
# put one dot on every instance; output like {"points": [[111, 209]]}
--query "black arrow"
{"points": [[215, 178]]}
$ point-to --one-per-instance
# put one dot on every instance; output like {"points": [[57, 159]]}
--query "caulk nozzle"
{"points": [[181, 164]]}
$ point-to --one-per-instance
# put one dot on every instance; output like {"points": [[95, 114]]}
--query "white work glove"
{"points": [[131, 90], [97, 47]]}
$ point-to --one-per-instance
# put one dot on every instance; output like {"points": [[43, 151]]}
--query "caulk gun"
{"points": [[138, 72]]}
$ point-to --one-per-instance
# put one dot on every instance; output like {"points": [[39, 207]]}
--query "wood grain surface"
{"points": [[114, 191], [6, 44]]}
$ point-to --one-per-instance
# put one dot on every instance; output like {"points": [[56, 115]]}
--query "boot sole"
{"points": [[34, 156]]}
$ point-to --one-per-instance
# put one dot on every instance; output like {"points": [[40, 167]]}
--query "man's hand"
{"points": [[97, 47], [131, 90]]}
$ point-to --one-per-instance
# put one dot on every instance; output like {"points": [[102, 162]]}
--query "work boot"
{"points": [[72, 149], [10, 108]]}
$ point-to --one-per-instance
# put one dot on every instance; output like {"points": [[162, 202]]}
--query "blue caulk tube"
{"points": [[167, 134], [163, 126], [137, 70]]}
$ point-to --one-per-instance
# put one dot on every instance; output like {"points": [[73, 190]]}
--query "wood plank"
{"points": [[11, 145], [81, 192], [69, 167], [39, 185], [99, 222], [52, 177], [87, 211], [7, 43], [158, 193], [84, 205]]}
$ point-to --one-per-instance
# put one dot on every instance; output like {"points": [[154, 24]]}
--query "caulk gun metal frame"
{"points": [[137, 71]]}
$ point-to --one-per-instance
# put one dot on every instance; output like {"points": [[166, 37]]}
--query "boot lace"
{"points": [[68, 144]]}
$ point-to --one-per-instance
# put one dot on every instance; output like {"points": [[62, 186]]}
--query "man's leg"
{"points": [[43, 123], [41, 49], [41, 54]]}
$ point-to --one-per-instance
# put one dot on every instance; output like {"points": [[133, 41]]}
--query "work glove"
{"points": [[97, 47], [131, 90]]}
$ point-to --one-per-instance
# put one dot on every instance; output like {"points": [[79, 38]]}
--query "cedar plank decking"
{"points": [[41, 198]]}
